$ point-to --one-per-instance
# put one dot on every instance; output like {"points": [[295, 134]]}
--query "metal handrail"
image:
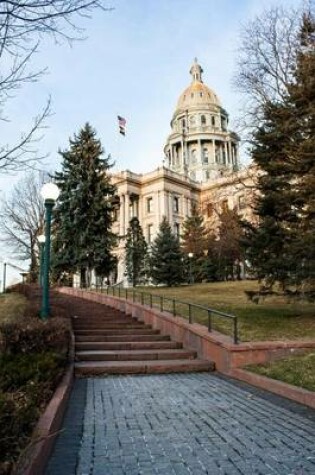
{"points": [[161, 299]]}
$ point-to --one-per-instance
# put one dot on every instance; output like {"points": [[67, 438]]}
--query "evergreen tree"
{"points": [[302, 157], [194, 241], [82, 228], [228, 246], [136, 253], [282, 245], [166, 257]]}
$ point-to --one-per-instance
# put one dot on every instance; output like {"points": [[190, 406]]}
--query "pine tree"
{"points": [[82, 228], [136, 253], [282, 245], [166, 257], [228, 246], [194, 241], [302, 105]]}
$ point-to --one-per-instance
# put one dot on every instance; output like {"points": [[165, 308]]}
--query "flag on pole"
{"points": [[121, 125]]}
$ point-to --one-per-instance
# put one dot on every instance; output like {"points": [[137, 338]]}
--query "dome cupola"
{"points": [[200, 145]]}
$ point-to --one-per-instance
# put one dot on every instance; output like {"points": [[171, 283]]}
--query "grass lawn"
{"points": [[12, 306], [296, 370], [274, 318]]}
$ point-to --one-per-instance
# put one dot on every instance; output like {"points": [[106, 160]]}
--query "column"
{"points": [[213, 150], [126, 212], [230, 152], [121, 215], [170, 208], [200, 150], [226, 153], [172, 156]]}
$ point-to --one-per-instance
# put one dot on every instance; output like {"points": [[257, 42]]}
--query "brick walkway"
{"points": [[182, 424]]}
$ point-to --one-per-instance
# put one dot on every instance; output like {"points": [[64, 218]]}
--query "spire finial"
{"points": [[196, 71]]}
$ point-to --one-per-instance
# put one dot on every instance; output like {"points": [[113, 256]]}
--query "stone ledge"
{"points": [[303, 396], [50, 422]]}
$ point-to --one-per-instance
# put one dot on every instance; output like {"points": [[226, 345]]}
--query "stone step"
{"points": [[111, 326], [125, 345], [120, 331], [96, 321], [88, 368], [121, 338], [104, 323], [132, 355]]}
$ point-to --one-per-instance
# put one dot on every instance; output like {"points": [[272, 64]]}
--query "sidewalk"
{"points": [[179, 425]]}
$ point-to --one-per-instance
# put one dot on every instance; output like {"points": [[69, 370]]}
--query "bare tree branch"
{"points": [[22, 218], [23, 25]]}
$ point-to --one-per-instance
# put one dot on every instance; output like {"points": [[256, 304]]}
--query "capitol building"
{"points": [[201, 168]]}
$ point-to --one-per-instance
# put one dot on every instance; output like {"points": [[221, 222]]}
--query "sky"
{"points": [[134, 62]]}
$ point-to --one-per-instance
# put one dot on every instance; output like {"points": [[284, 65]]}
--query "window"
{"points": [[192, 95], [205, 155], [225, 206], [176, 204], [192, 120], [213, 121], [193, 175], [200, 94], [203, 120], [149, 205], [150, 233], [209, 210], [177, 230], [207, 175], [241, 202], [193, 155]]}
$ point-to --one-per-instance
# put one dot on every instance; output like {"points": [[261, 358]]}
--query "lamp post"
{"points": [[41, 241], [190, 256], [50, 193], [4, 276]]}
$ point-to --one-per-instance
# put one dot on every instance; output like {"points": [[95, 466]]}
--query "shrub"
{"points": [[26, 385], [33, 335]]}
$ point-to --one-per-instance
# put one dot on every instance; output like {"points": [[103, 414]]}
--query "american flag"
{"points": [[121, 125]]}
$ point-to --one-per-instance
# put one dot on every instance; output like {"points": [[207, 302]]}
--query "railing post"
{"points": [[209, 321], [126, 291], [189, 313], [235, 331], [133, 295], [151, 300], [113, 291], [174, 307], [161, 303], [119, 292], [107, 289], [142, 301]]}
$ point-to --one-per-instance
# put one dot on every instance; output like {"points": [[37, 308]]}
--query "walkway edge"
{"points": [[303, 396], [49, 424]]}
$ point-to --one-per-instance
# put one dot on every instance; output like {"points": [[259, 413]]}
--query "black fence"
{"points": [[214, 319]]}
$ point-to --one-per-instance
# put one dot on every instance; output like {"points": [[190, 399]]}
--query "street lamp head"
{"points": [[41, 238], [50, 192], [190, 255]]}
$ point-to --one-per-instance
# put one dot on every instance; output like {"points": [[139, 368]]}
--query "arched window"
{"points": [[205, 155], [203, 120], [192, 120], [193, 155]]}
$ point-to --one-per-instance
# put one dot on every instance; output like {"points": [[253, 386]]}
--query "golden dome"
{"points": [[197, 94]]}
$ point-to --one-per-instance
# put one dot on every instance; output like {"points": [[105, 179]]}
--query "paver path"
{"points": [[182, 424]]}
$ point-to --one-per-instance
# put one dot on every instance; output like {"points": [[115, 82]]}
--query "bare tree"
{"points": [[22, 218], [267, 52], [23, 25]]}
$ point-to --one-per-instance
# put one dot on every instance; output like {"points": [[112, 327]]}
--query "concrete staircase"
{"points": [[115, 343]]}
